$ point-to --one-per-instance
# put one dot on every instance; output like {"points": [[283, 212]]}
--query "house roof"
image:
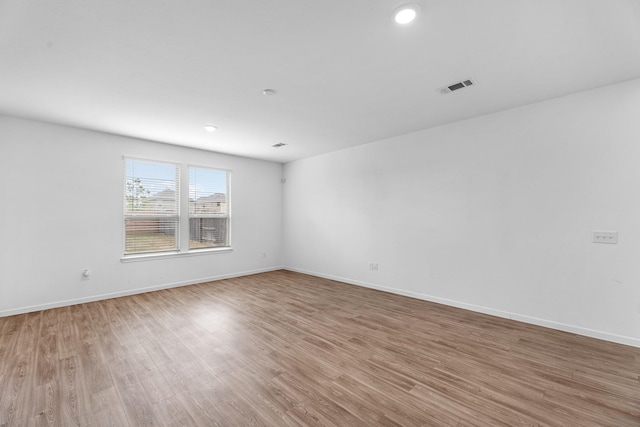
{"points": [[166, 194], [216, 197]]}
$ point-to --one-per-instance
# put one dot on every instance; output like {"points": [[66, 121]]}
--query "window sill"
{"points": [[166, 255]]}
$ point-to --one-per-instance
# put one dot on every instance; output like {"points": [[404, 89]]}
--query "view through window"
{"points": [[151, 206], [208, 208], [152, 201]]}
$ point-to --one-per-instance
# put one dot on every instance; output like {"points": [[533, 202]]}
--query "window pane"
{"points": [[208, 208], [150, 188], [151, 206], [150, 234], [207, 232]]}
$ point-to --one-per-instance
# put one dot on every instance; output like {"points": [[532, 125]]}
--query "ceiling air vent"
{"points": [[456, 86], [278, 145]]}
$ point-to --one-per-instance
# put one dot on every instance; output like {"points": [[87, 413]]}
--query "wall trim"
{"points": [[592, 333], [606, 336], [93, 298]]}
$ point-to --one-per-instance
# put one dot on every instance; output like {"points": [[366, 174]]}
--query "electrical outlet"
{"points": [[610, 237], [373, 266]]}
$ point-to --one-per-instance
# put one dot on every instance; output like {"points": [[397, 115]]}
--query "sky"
{"points": [[156, 177]]}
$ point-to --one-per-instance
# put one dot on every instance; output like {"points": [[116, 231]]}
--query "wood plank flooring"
{"points": [[285, 349]]}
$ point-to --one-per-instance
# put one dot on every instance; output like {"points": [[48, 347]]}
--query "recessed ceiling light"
{"points": [[268, 92], [210, 128], [406, 13]]}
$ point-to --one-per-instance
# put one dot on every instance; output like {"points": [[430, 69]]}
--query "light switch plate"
{"points": [[610, 237]]}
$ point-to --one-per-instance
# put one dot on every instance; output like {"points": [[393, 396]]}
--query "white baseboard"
{"points": [[620, 339], [64, 303]]}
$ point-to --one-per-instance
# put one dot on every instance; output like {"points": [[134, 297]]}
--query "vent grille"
{"points": [[459, 85], [278, 145]]}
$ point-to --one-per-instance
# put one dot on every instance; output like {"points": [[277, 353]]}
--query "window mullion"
{"points": [[184, 209]]}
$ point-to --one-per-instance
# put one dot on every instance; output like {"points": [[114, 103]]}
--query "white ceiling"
{"points": [[344, 72]]}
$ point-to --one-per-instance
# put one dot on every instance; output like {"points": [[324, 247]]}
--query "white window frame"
{"points": [[183, 216], [228, 209]]}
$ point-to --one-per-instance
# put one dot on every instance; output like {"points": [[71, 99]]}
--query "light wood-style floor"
{"points": [[285, 349]]}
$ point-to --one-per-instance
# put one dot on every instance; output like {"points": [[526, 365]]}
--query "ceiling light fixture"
{"points": [[268, 92], [210, 128], [406, 13]]}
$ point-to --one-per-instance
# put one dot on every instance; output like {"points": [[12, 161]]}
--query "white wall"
{"points": [[61, 212], [494, 214]]}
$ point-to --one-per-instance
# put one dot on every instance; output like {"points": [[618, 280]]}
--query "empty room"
{"points": [[329, 213]]}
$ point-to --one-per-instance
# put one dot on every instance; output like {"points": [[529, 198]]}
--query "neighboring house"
{"points": [[210, 220], [164, 201], [215, 203]]}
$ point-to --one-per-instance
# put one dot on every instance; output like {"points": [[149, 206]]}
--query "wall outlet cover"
{"points": [[610, 237]]}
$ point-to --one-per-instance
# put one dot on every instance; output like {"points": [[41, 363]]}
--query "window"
{"points": [[151, 207], [208, 208], [153, 198]]}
